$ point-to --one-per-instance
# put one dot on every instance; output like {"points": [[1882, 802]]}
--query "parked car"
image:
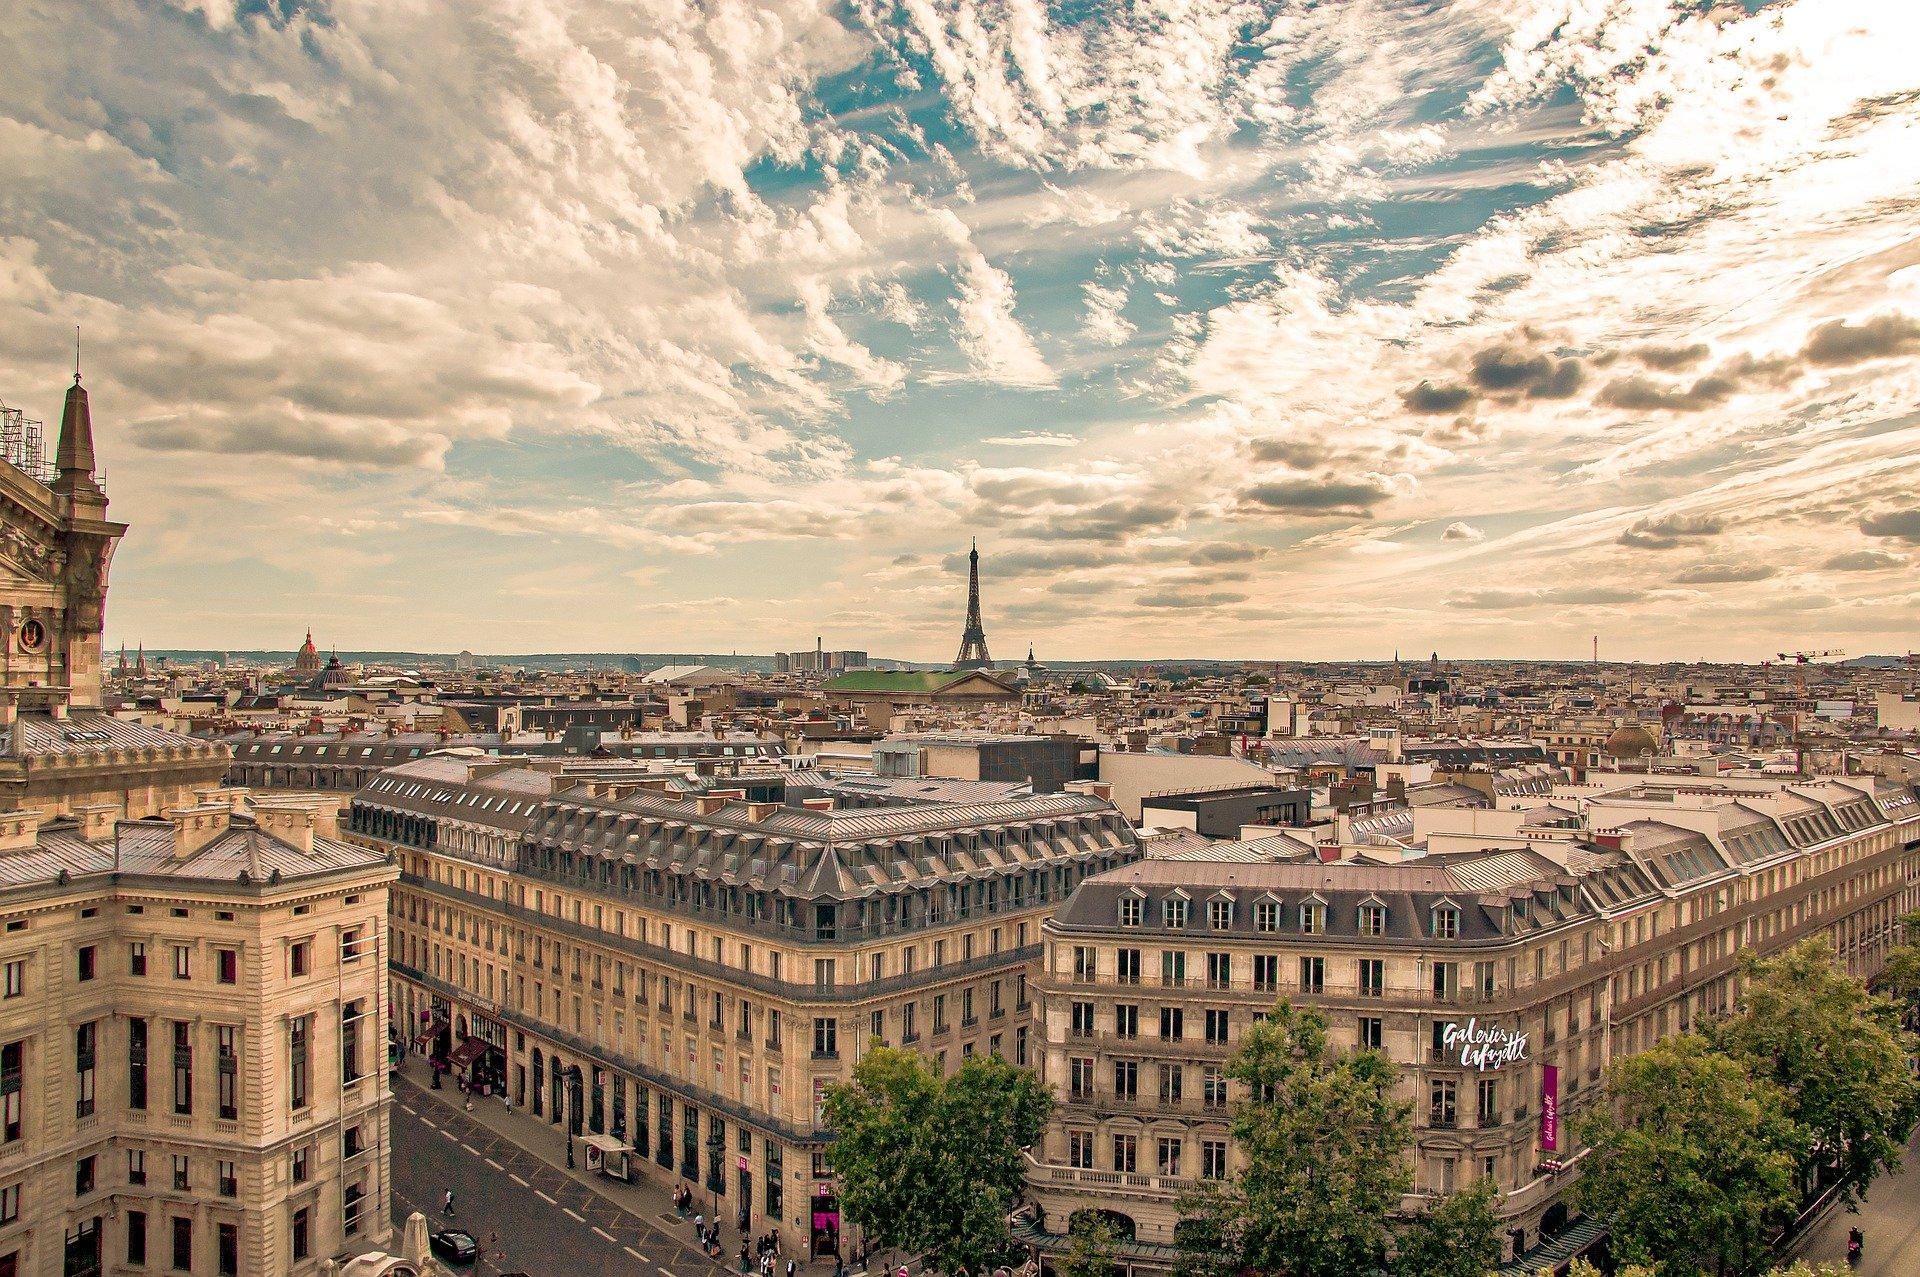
{"points": [[455, 1245]]}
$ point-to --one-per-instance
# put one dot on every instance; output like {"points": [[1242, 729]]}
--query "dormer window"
{"points": [[1220, 913], [1446, 922], [1372, 920], [1266, 915], [1313, 918], [1131, 908], [1173, 911]]}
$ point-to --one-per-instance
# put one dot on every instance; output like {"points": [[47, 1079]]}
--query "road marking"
{"points": [[429, 1123], [516, 1179], [663, 1272], [545, 1196], [578, 1218], [636, 1254], [496, 1166], [450, 1137], [470, 1148], [603, 1232]]}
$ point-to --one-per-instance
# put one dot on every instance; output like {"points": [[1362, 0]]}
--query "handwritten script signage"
{"points": [[1485, 1046]]}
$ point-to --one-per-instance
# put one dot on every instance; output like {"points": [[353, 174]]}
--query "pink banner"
{"points": [[1549, 1107]]}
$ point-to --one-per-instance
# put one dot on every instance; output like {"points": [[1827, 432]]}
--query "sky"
{"points": [[1230, 328]]}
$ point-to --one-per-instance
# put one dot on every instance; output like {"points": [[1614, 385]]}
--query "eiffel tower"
{"points": [[973, 639]]}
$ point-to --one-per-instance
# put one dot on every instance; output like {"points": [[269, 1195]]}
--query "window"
{"points": [[1080, 1150], [1266, 915], [1488, 1098], [350, 1015], [1173, 1023], [302, 1164], [1131, 907], [83, 1176], [16, 977], [136, 1166], [1217, 1026], [85, 1039], [1213, 1087], [826, 1037], [1373, 977], [137, 1238], [183, 970], [1126, 1021], [137, 958], [1313, 975], [226, 963], [86, 957], [1219, 970], [137, 1064], [1213, 1159], [1446, 922], [182, 1244], [229, 1250], [299, 1060], [352, 947], [1446, 980], [182, 1173], [1373, 920], [1083, 964], [1173, 911], [1167, 1156], [1126, 1079], [299, 957], [229, 1180], [13, 1058], [1173, 968], [1126, 966], [302, 1235], [1172, 1082], [1125, 1154], [350, 1202], [1082, 1026], [1080, 1073], [1443, 1102], [1266, 972], [1370, 1032], [227, 1072], [1220, 913], [182, 1067], [1313, 918]]}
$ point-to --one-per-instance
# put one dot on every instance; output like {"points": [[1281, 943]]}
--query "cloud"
{"points": [[1031, 439], [1462, 532], [1105, 325], [1318, 497], [1902, 525], [1881, 337], [1643, 394], [1863, 561], [1501, 600], [989, 332], [1725, 573], [1429, 398], [1671, 358], [1511, 368], [1218, 552], [1190, 599], [1664, 532]]}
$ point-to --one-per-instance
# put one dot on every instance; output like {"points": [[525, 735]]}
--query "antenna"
{"points": [[76, 352]]}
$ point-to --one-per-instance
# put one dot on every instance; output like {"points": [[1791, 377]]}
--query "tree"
{"points": [[1901, 976], [1094, 1239], [1325, 1148], [1838, 1054], [929, 1164], [1692, 1162], [1459, 1236]]}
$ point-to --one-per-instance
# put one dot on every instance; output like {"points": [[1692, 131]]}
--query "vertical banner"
{"points": [[1549, 1107]]}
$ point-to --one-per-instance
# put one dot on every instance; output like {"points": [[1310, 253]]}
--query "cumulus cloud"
{"points": [[1881, 337], [989, 332], [1105, 325], [1429, 398], [1458, 531], [1901, 525], [1725, 573], [1665, 531], [1518, 369], [1324, 497], [1863, 561]]}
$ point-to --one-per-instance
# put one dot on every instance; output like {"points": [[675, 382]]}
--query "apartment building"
{"points": [[1501, 979], [666, 963]]}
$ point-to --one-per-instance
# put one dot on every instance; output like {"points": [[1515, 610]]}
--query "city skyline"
{"points": [[1305, 334]]}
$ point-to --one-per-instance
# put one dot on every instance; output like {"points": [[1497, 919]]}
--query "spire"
{"points": [[75, 457], [973, 639]]}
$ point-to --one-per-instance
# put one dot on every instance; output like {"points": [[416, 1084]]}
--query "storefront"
{"points": [[826, 1222]]}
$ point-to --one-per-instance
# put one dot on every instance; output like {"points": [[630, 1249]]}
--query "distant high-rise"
{"points": [[973, 639]]}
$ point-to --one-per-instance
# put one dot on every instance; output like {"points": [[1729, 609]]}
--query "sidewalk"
{"points": [[643, 1199]]}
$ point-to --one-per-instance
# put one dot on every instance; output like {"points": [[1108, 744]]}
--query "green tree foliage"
{"points": [[1458, 1237], [1325, 1147], [1693, 1162], [1091, 1253], [1901, 976], [1838, 1055], [929, 1164]]}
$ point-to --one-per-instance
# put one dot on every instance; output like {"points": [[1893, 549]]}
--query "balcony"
{"points": [[1114, 1183]]}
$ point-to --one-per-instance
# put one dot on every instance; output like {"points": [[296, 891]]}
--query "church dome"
{"points": [[1630, 740], [307, 660]]}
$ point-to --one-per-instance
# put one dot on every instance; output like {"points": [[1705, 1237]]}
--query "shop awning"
{"points": [[467, 1052]]}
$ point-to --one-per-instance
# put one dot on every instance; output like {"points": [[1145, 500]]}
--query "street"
{"points": [[548, 1224], [1890, 1218]]}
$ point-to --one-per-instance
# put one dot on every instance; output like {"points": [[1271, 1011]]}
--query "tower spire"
{"points": [[74, 460], [973, 639]]}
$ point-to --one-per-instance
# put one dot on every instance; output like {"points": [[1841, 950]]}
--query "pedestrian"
{"points": [[743, 1256], [699, 1224], [789, 1268], [469, 1104], [446, 1204], [839, 1265], [508, 1101]]}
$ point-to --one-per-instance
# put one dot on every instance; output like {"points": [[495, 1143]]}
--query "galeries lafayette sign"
{"points": [[1485, 1046]]}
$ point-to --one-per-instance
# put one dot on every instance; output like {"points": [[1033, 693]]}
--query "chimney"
{"points": [[758, 812], [291, 823], [708, 804], [19, 830], [824, 803], [195, 827], [96, 820]]}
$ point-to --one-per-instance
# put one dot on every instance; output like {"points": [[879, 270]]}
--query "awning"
{"points": [[467, 1052]]}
